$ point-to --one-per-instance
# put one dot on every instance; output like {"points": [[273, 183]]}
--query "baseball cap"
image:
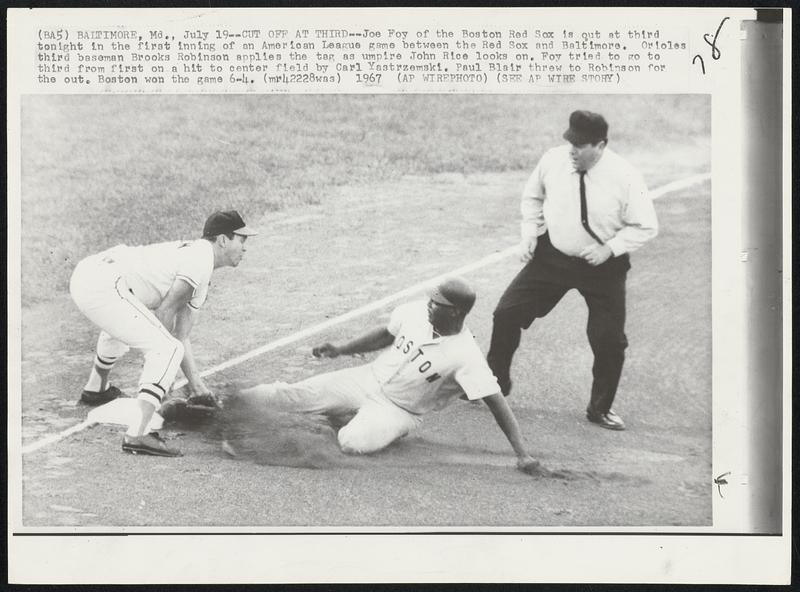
{"points": [[454, 292], [586, 127], [226, 222]]}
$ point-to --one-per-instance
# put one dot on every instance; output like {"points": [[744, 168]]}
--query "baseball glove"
{"points": [[205, 400], [186, 411]]}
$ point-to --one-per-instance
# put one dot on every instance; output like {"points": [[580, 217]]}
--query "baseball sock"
{"points": [[141, 417], [98, 377]]}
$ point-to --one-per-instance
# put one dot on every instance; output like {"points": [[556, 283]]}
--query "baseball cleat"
{"points": [[608, 420], [152, 444], [94, 398]]}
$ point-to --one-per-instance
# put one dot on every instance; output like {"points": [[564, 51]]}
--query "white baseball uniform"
{"points": [[419, 372], [117, 290]]}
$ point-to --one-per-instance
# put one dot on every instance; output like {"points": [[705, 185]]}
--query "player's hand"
{"points": [[534, 468], [530, 466], [202, 396], [526, 248], [596, 254], [326, 350]]}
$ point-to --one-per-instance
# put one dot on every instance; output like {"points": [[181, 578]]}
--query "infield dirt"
{"points": [[458, 469]]}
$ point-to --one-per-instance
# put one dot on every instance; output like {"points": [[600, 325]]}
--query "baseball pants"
{"points": [[100, 291], [377, 422], [534, 292]]}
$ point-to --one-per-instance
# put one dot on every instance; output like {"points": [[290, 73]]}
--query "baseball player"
{"points": [[148, 298], [429, 358]]}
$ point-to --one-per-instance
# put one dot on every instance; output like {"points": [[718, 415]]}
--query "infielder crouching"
{"points": [[147, 298], [429, 358]]}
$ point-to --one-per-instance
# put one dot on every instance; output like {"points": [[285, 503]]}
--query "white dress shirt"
{"points": [[619, 208]]}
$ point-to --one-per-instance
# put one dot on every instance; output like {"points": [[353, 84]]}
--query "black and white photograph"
{"points": [[348, 200], [369, 313]]}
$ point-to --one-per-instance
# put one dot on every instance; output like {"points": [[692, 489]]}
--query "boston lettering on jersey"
{"points": [[407, 347]]}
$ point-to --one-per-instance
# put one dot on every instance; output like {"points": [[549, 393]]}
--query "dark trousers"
{"points": [[534, 292]]}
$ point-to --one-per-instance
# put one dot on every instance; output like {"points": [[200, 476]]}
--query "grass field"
{"points": [[101, 170], [360, 197]]}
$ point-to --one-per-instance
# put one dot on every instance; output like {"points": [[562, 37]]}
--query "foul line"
{"points": [[679, 184], [377, 305]]}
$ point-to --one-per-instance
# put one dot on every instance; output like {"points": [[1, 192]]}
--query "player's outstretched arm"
{"points": [[179, 319], [507, 421], [370, 341], [198, 392]]}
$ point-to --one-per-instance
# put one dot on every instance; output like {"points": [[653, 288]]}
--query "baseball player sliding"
{"points": [[148, 298], [429, 358]]}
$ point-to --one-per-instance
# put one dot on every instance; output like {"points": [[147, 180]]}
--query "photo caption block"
{"points": [[512, 51]]}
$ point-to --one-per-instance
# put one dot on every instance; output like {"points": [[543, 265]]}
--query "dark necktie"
{"points": [[584, 215]]}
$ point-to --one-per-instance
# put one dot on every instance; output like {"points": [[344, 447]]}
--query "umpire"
{"points": [[584, 209]]}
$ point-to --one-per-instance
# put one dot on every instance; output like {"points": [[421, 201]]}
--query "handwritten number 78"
{"points": [[715, 52]]}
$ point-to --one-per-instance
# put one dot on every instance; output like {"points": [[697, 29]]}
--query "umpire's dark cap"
{"points": [[226, 222], [586, 127], [454, 292]]}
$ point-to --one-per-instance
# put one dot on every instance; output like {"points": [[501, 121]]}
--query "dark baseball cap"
{"points": [[586, 127], [225, 223], [454, 292]]}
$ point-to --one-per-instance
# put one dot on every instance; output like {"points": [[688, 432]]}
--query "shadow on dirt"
{"points": [[255, 434]]}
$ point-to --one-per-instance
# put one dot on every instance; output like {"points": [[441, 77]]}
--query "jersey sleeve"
{"points": [[195, 264], [400, 315], [474, 375]]}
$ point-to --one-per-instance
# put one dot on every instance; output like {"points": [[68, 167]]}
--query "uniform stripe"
{"points": [[171, 358], [153, 400], [158, 386], [140, 308], [104, 364], [151, 393], [148, 315]]}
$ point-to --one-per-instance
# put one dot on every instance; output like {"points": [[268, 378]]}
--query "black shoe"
{"points": [[94, 398], [608, 420], [152, 444]]}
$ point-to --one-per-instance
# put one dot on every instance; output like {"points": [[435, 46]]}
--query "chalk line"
{"points": [[53, 438], [367, 308], [679, 184]]}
